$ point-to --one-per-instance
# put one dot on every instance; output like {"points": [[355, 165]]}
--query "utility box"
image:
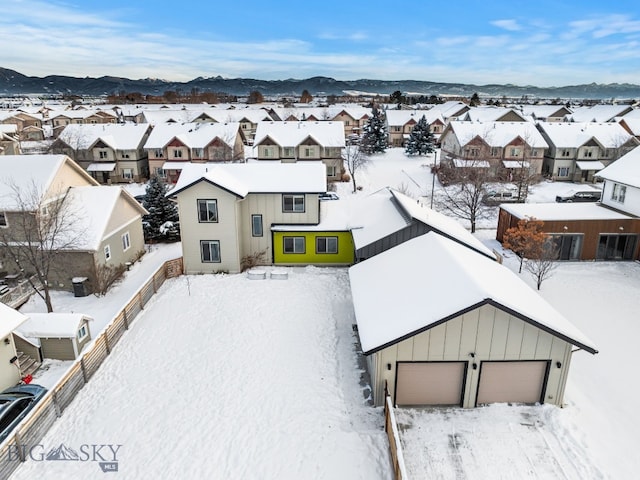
{"points": [[80, 286]]}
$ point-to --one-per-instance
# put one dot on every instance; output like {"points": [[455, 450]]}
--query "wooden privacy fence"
{"points": [[16, 447], [391, 427]]}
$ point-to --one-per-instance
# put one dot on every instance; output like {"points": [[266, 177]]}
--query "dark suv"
{"points": [[587, 196]]}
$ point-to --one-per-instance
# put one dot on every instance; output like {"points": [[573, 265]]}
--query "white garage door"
{"points": [[512, 382], [430, 383]]}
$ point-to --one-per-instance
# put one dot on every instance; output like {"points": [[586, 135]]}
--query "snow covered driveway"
{"points": [[494, 442], [223, 377]]}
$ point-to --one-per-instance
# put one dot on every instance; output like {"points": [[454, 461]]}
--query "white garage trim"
{"points": [[512, 381], [430, 383]]}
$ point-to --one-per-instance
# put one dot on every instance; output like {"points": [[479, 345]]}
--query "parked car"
{"points": [[497, 197], [329, 196], [586, 196], [15, 404]]}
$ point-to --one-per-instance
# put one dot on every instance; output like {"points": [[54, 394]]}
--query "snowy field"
{"points": [[277, 390]]}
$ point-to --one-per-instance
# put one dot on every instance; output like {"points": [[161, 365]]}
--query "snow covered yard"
{"points": [[226, 377]]}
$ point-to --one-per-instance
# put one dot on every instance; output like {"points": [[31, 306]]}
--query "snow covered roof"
{"points": [[625, 170], [590, 165], [10, 319], [127, 136], [597, 113], [431, 279], [375, 217], [334, 217], [52, 325], [292, 134], [402, 117], [28, 174], [489, 113], [92, 207], [563, 211], [545, 111], [193, 135], [498, 134], [244, 178], [574, 135]]}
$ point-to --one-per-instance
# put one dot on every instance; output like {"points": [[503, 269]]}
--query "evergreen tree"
{"points": [[475, 100], [421, 140], [374, 136], [161, 224]]}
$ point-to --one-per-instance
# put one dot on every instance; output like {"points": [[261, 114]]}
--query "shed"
{"points": [[441, 324], [10, 319], [61, 335]]}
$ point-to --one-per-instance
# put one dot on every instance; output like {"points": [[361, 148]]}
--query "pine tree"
{"points": [[421, 140], [374, 136], [162, 223]]}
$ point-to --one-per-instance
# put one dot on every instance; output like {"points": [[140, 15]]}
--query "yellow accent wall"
{"points": [[345, 255]]}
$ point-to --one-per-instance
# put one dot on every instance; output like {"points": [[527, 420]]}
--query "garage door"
{"points": [[430, 383], [512, 382]]}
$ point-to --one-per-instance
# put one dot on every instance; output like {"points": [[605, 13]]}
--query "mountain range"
{"points": [[15, 83]]}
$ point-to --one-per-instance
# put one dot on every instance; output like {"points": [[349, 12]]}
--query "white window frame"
{"points": [[127, 173], [107, 252], [83, 332], [331, 170], [563, 169], [3, 220], [212, 257], [257, 229], [103, 154], [618, 193], [126, 241]]}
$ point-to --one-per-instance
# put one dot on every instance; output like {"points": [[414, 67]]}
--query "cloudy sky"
{"points": [[542, 42]]}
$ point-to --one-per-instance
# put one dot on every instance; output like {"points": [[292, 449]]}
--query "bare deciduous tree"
{"points": [[354, 160], [466, 186], [38, 229], [542, 265]]}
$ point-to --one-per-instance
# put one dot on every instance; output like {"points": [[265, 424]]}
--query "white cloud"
{"points": [[507, 24]]}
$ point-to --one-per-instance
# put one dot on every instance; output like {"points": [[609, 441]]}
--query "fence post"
{"points": [[20, 448], [84, 370], [106, 342], [55, 403], [140, 300], [124, 317]]}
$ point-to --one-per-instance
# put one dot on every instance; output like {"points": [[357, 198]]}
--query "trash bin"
{"points": [[80, 287]]}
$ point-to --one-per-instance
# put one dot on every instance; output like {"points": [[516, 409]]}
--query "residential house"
{"points": [[60, 336], [29, 125], [598, 113], [441, 325], [290, 142], [9, 141], [353, 117], [505, 146], [578, 150], [488, 113], [621, 183], [111, 153], [400, 123], [59, 120], [100, 229], [272, 212], [451, 110], [546, 113], [171, 146], [10, 373]]}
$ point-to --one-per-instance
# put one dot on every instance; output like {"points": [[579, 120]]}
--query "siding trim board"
{"points": [[495, 304]]}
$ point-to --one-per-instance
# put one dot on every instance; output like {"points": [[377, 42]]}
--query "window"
{"points": [[256, 225], [288, 152], [293, 244], [103, 154], [207, 211], [177, 154], [210, 251], [331, 170], [268, 152], [309, 152], [107, 252], [293, 203], [327, 245], [618, 193], [616, 247], [563, 171], [515, 152], [534, 153], [569, 246], [127, 173], [161, 173], [125, 155], [3, 219], [82, 333], [159, 153], [495, 152], [198, 152], [126, 242], [566, 153]]}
